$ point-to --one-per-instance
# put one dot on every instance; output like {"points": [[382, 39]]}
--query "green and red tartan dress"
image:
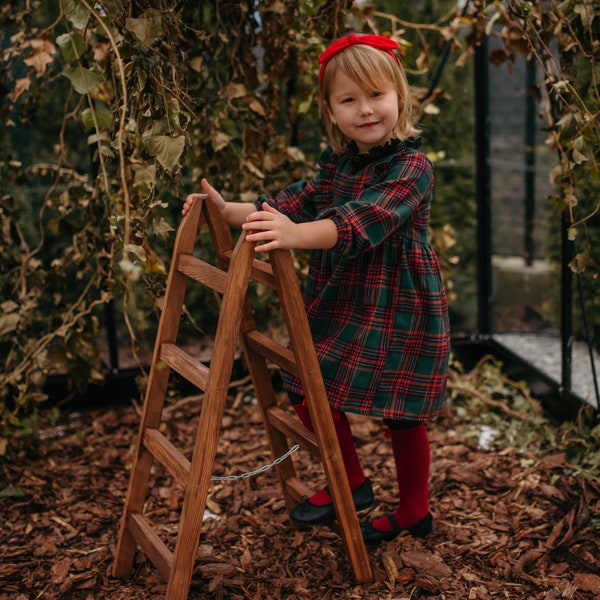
{"points": [[375, 302]]}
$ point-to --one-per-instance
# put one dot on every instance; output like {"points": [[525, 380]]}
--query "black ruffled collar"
{"points": [[391, 147]]}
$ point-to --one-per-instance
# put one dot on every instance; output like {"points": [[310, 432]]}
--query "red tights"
{"points": [[354, 471], [412, 458]]}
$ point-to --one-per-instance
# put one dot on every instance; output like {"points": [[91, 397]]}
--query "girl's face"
{"points": [[368, 117]]}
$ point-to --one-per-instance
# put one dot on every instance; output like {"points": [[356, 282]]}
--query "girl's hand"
{"points": [[210, 192], [272, 228]]}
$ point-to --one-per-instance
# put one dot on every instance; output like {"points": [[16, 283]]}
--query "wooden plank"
{"points": [[202, 272], [268, 348], [297, 489], [262, 271], [151, 544], [320, 412], [211, 417], [293, 429], [167, 455], [156, 389], [187, 366]]}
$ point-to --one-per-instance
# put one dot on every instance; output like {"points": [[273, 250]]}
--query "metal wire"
{"points": [[259, 470]]}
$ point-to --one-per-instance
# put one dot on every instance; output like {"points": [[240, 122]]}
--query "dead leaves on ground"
{"points": [[507, 524]]}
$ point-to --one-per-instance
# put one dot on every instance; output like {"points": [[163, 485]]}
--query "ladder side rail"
{"points": [[261, 272], [220, 233], [155, 391], [320, 412], [211, 416]]}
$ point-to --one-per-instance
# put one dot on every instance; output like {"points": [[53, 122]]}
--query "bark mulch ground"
{"points": [[508, 523]]}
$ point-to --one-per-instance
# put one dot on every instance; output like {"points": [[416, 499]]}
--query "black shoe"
{"points": [[374, 537], [306, 513]]}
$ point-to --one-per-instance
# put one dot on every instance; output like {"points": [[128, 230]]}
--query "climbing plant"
{"points": [[118, 107], [112, 111], [564, 40]]}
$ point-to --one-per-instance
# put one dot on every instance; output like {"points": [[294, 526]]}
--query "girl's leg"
{"points": [[410, 445], [354, 471]]}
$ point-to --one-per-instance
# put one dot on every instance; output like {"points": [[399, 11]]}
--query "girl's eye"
{"points": [[346, 100], [376, 94]]}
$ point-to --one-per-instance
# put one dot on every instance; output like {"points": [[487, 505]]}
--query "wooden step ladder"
{"points": [[237, 266]]}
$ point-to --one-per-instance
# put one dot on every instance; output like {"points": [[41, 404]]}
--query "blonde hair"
{"points": [[373, 69]]}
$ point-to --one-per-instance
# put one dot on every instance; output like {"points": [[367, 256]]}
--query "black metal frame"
{"points": [[557, 396]]}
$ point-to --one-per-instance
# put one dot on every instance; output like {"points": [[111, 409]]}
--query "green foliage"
{"points": [[138, 100], [113, 111]]}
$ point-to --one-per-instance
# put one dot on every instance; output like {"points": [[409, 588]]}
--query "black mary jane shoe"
{"points": [[306, 513], [374, 537]]}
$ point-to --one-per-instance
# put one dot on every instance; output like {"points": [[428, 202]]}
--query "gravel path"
{"points": [[543, 350]]}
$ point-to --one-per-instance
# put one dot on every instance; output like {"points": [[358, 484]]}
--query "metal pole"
{"points": [[566, 306], [530, 131], [483, 193]]}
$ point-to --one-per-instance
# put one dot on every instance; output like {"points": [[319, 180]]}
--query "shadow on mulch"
{"points": [[507, 524]]}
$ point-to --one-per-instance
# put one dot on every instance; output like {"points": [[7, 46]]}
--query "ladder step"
{"points": [[296, 489], [167, 455], [293, 429], [263, 273], [152, 546], [215, 278], [184, 364], [268, 348], [201, 271]]}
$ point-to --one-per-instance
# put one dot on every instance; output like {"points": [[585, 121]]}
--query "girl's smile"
{"points": [[366, 116]]}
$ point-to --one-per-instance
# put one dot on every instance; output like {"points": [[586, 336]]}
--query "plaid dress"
{"points": [[375, 302]]}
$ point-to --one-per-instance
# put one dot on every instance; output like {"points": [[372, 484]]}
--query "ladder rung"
{"points": [[268, 348], [187, 366], [216, 278], [296, 489], [261, 271], [152, 546], [293, 429], [203, 272], [167, 455]]}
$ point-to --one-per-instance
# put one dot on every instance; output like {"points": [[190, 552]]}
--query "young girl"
{"points": [[374, 295]]}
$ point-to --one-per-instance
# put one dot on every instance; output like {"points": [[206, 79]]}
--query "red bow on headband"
{"points": [[375, 41]]}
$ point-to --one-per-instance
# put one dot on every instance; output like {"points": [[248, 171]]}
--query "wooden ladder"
{"points": [[237, 266]]}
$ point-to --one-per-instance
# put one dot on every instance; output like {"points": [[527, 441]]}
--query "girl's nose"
{"points": [[365, 108]]}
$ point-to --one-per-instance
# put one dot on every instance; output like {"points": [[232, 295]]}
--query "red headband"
{"points": [[375, 41]]}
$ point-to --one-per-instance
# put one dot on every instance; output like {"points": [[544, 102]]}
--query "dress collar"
{"points": [[393, 146]]}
